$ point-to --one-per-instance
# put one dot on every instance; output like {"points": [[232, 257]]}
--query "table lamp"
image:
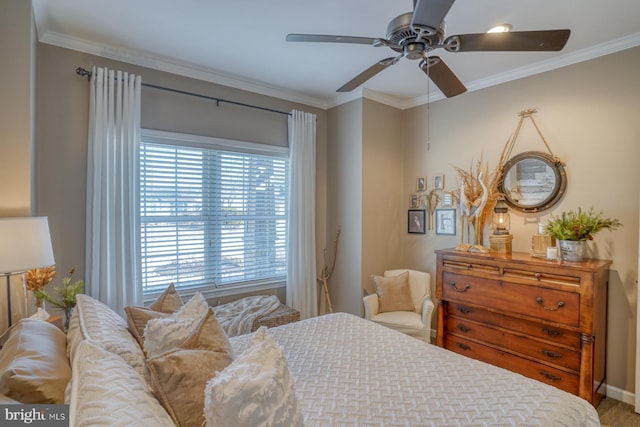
{"points": [[25, 243]]}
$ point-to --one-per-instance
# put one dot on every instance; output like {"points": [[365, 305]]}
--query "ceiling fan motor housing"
{"points": [[412, 41]]}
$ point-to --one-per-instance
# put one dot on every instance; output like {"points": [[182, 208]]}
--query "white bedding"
{"points": [[351, 372]]}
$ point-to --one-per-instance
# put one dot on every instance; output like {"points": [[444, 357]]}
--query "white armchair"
{"points": [[416, 323]]}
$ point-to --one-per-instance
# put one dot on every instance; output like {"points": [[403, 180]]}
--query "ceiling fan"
{"points": [[414, 35]]}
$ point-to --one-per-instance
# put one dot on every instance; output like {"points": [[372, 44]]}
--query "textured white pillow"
{"points": [[256, 389], [95, 321], [167, 333], [106, 391]]}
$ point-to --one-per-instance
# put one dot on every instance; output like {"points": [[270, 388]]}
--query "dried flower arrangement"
{"points": [[38, 278], [478, 196]]}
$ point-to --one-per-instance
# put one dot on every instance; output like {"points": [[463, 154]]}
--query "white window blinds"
{"points": [[211, 217]]}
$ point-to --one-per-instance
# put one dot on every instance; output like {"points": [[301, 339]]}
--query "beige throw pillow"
{"points": [[168, 302], [137, 318], [394, 293], [179, 376], [33, 363]]}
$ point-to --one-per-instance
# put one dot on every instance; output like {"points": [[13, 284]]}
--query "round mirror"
{"points": [[533, 181]]}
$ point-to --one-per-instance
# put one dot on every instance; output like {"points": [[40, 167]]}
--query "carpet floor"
{"points": [[614, 413]]}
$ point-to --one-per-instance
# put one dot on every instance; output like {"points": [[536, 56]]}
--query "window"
{"points": [[212, 213]]}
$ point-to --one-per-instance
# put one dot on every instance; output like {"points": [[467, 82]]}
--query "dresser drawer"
{"points": [[538, 371], [534, 329], [519, 344], [542, 303]]}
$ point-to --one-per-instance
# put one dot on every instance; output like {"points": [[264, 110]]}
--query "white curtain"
{"points": [[112, 244], [302, 287]]}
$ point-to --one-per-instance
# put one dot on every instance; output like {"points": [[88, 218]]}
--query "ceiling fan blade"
{"points": [[430, 13], [368, 73], [442, 76], [323, 38], [518, 41]]}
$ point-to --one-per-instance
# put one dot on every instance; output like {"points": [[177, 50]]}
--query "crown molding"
{"points": [[190, 70], [168, 65], [623, 43]]}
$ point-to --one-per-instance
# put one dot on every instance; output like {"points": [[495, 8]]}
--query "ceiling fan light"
{"points": [[502, 28]]}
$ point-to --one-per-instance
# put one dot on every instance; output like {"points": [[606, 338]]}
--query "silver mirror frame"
{"points": [[555, 194]]}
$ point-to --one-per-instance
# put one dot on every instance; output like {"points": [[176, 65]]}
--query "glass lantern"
{"points": [[500, 221]]}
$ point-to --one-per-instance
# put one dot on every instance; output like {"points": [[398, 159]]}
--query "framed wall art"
{"points": [[438, 181], [414, 201], [421, 183], [446, 222], [416, 221]]}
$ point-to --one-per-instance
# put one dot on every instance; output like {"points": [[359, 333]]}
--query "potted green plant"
{"points": [[63, 298], [572, 229]]}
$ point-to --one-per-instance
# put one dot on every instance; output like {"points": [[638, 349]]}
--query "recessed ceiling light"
{"points": [[502, 28]]}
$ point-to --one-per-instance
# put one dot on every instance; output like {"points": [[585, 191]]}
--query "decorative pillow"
{"points": [[95, 321], [33, 363], [394, 293], [168, 302], [107, 391], [255, 390], [180, 375], [137, 318], [164, 334]]}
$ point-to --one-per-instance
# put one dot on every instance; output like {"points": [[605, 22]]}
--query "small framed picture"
{"points": [[414, 201], [421, 183], [438, 181], [447, 199], [446, 222], [416, 221]]}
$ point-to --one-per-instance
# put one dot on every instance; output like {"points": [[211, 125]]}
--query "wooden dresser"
{"points": [[545, 320]]}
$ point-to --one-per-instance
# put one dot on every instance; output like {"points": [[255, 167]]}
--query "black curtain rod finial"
{"points": [[82, 72]]}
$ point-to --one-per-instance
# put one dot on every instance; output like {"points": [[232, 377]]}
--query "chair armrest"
{"points": [[371, 305], [427, 311]]}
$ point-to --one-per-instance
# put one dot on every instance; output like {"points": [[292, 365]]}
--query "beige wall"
{"points": [[16, 108], [589, 114], [62, 123], [383, 215], [17, 92], [344, 203]]}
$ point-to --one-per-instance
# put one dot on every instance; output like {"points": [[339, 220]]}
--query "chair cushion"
{"points": [[400, 318], [394, 292]]}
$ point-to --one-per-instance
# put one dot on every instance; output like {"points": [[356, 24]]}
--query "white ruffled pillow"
{"points": [[256, 389], [167, 333]]}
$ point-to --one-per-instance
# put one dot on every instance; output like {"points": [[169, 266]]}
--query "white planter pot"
{"points": [[572, 250]]}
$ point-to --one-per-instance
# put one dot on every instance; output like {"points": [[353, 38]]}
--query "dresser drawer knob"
{"points": [[538, 275], [552, 332], [558, 306], [550, 376], [551, 354], [464, 310], [465, 289], [463, 346], [463, 328]]}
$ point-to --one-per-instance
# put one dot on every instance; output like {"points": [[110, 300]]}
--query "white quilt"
{"points": [[351, 372]]}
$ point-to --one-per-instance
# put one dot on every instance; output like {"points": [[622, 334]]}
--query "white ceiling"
{"points": [[241, 43]]}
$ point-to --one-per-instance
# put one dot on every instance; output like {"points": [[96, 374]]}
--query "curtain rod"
{"points": [[86, 73]]}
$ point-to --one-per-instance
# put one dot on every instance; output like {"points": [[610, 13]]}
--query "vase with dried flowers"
{"points": [[38, 278], [63, 298]]}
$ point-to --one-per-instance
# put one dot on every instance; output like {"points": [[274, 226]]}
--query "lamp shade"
{"points": [[25, 243]]}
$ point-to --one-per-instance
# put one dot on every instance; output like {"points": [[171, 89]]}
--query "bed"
{"points": [[346, 371]]}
